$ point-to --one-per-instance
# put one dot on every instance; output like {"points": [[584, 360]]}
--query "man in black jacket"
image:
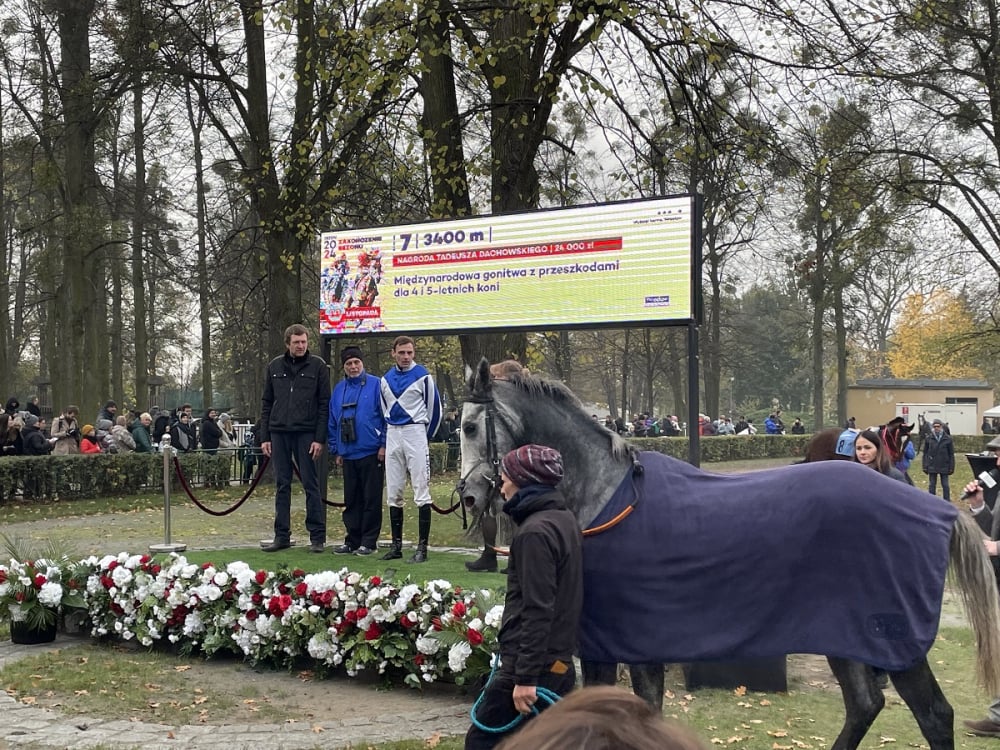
{"points": [[939, 459], [293, 424], [544, 595]]}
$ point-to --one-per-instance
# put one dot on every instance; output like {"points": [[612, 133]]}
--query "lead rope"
{"points": [[549, 696]]}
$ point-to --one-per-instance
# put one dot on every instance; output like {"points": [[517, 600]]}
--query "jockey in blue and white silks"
{"points": [[412, 408]]}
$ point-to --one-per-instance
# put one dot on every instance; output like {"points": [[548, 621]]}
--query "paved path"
{"points": [[31, 728]]}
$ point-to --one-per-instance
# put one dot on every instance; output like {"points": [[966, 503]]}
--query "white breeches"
{"points": [[406, 450]]}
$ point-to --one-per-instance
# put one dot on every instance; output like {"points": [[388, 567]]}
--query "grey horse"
{"points": [[501, 415]]}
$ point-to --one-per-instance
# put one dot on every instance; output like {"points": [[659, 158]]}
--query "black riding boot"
{"points": [[487, 562], [396, 528], [423, 532]]}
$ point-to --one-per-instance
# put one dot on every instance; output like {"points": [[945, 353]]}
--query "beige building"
{"points": [[960, 403]]}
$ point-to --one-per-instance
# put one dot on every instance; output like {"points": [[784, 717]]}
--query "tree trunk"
{"points": [[6, 256], [140, 365], [441, 121], [284, 260], [82, 363], [204, 294]]}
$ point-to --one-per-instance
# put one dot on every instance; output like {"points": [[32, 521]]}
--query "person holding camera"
{"points": [[66, 431], [356, 438]]}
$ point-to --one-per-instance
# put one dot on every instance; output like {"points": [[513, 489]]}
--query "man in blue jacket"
{"points": [[294, 412], [356, 437]]}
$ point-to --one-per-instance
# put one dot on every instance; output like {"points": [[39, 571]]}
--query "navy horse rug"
{"points": [[826, 558]]}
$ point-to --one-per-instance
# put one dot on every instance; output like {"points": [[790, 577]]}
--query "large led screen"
{"points": [[608, 264]]}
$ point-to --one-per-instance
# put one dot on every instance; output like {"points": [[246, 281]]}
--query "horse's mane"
{"points": [[535, 387]]}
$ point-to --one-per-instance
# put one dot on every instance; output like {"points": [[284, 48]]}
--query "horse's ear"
{"points": [[480, 381]]}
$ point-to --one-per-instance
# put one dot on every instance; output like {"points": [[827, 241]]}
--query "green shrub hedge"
{"points": [[749, 447], [45, 478]]}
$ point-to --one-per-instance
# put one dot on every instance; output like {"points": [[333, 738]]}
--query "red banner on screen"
{"points": [[502, 252]]}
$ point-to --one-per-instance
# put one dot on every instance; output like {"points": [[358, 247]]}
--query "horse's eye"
{"points": [[469, 428]]}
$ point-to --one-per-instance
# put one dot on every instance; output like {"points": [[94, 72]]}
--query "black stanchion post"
{"points": [[167, 546]]}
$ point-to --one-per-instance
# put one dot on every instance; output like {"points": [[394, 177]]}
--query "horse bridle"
{"points": [[492, 451], [493, 459]]}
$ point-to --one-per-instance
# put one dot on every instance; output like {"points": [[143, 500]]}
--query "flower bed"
{"points": [[341, 619], [34, 592]]}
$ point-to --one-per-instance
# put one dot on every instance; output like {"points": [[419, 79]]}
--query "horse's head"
{"points": [[485, 438]]}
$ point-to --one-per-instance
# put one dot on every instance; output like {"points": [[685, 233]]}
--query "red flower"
{"points": [[256, 597], [112, 565], [326, 598], [279, 604], [39, 580], [206, 565], [144, 559], [458, 609], [341, 626], [351, 616], [301, 588], [19, 596], [373, 632], [251, 614], [3, 576], [474, 637], [418, 659], [155, 569], [107, 582], [261, 576], [406, 622], [436, 622], [376, 581], [298, 573], [362, 613]]}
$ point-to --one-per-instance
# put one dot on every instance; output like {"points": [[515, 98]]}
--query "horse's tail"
{"points": [[972, 570]]}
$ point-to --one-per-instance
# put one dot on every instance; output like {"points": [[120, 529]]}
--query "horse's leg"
{"points": [[930, 708], [862, 700], [647, 683], [599, 672]]}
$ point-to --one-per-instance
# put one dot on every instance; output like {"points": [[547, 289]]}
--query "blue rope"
{"points": [[549, 696]]}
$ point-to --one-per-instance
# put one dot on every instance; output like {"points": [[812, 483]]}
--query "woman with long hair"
{"points": [[870, 451]]}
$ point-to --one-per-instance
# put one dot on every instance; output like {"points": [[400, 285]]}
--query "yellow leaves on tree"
{"points": [[934, 338]]}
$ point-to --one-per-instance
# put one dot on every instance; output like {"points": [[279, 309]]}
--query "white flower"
{"points": [[121, 576], [50, 594], [494, 617], [428, 645], [457, 656]]}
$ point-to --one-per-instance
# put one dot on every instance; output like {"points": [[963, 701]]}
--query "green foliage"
{"points": [[50, 478]]}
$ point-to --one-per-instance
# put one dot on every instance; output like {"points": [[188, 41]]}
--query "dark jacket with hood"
{"points": [[34, 441], [939, 454], [210, 434], [544, 584]]}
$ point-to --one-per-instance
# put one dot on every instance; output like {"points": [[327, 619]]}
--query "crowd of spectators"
{"points": [[25, 432]]}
